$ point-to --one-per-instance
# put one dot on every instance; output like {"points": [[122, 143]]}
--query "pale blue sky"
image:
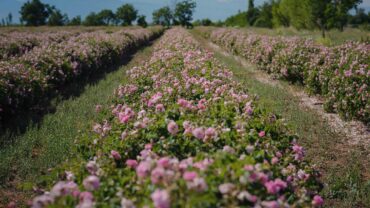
{"points": [[213, 9]]}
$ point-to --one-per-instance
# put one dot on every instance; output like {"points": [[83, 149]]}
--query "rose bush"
{"points": [[340, 74], [27, 79], [18, 43], [183, 133]]}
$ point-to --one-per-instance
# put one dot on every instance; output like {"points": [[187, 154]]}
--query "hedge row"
{"points": [[340, 74], [183, 133], [18, 43], [27, 79]]}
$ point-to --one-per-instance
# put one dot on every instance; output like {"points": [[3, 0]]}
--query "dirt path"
{"points": [[356, 132]]}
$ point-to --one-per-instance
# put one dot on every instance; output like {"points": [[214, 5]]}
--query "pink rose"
{"points": [[172, 128], [161, 199], [159, 108], [91, 183], [115, 155], [131, 163], [143, 169], [190, 175], [317, 201], [164, 162], [273, 187], [199, 133]]}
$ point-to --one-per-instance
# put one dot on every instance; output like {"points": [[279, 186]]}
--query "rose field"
{"points": [[169, 117], [52, 60], [182, 133], [340, 74]]}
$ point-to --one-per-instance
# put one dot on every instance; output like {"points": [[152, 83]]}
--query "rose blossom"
{"points": [[198, 184], [199, 133], [276, 186], [157, 175], [190, 175], [91, 183], [161, 198], [164, 162], [115, 155], [226, 188], [126, 203], [210, 133], [172, 128], [143, 169], [317, 201], [159, 108], [131, 163]]}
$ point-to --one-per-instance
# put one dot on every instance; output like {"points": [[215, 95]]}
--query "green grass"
{"points": [[325, 148], [333, 37], [51, 142]]}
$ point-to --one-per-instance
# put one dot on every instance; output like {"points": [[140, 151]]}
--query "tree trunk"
{"points": [[323, 31], [341, 28]]}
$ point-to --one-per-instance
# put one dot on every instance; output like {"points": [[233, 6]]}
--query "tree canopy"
{"points": [[141, 21], [163, 16], [302, 14], [107, 16], [56, 18], [184, 12], [252, 13], [92, 20], [126, 14], [75, 21], [34, 13]]}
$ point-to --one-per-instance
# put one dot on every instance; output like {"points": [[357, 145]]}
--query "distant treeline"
{"points": [[302, 14], [36, 13]]}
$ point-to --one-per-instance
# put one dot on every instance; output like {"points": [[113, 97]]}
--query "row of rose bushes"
{"points": [[182, 133], [340, 74], [28, 79], [17, 43]]}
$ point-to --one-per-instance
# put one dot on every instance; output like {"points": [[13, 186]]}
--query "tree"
{"points": [[56, 18], [107, 16], [126, 14], [163, 16], [141, 21], [203, 22], [295, 13], [359, 18], [252, 13], [9, 19], [92, 20], [75, 21], [342, 7], [184, 12], [206, 22], [264, 18], [239, 20], [279, 18], [322, 12], [34, 13]]}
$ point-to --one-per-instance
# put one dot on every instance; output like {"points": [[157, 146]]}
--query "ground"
{"points": [[338, 151]]}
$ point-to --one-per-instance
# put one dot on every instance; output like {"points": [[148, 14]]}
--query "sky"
{"points": [[213, 9]]}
